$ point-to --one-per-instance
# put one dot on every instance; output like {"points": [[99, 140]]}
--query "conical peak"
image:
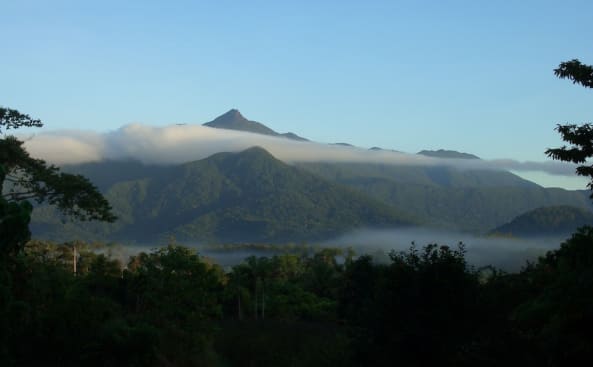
{"points": [[234, 120], [234, 113]]}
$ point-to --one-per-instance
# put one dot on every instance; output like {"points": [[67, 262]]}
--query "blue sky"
{"points": [[474, 76]]}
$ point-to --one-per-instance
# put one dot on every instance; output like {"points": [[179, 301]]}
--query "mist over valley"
{"points": [[236, 181]]}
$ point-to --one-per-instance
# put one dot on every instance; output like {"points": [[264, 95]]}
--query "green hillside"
{"points": [[468, 200], [555, 220], [352, 173], [251, 196], [228, 197]]}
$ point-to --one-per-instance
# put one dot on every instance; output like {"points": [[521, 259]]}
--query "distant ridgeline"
{"points": [[444, 197], [251, 196], [555, 220], [441, 153]]}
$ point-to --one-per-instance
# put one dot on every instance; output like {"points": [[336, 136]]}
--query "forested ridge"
{"points": [[551, 220], [248, 196], [472, 200]]}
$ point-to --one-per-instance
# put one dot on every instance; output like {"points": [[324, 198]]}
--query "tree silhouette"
{"points": [[580, 137], [23, 178]]}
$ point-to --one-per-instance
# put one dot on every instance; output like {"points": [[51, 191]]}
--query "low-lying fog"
{"points": [[509, 254]]}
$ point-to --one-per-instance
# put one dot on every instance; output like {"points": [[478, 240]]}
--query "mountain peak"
{"points": [[234, 120], [443, 153], [233, 113], [231, 116]]}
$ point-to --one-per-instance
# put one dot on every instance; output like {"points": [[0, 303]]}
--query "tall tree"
{"points": [[24, 178], [580, 137]]}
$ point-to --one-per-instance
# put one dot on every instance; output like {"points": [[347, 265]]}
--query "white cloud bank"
{"points": [[183, 143]]}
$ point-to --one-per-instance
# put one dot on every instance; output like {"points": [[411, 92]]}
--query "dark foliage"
{"points": [[172, 307], [580, 137], [13, 119], [24, 178]]}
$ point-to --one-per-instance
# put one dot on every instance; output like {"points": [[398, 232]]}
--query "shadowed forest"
{"points": [[173, 307]]}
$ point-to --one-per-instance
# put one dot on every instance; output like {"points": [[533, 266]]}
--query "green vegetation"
{"points": [[252, 197], [171, 306], [580, 137], [23, 178], [548, 221], [472, 200], [229, 197]]}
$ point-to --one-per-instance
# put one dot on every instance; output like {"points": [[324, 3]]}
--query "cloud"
{"points": [[66, 147], [551, 167], [183, 143]]}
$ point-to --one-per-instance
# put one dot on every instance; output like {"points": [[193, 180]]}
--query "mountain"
{"points": [[445, 197], [442, 153], [343, 144], [379, 149], [234, 120], [248, 196], [434, 176], [555, 220]]}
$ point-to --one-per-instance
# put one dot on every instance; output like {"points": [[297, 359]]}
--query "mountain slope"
{"points": [[468, 200], [353, 173], [228, 197], [234, 120], [555, 220], [442, 153]]}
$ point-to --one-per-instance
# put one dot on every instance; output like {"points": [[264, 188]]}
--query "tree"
{"points": [[579, 136], [423, 307], [13, 119], [23, 178], [178, 293], [558, 316]]}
